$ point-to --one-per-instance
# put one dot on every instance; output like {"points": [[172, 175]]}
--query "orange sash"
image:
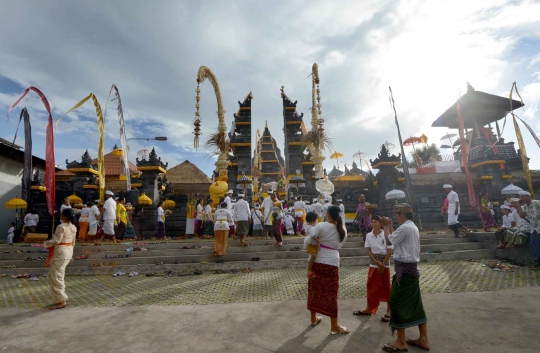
{"points": [[51, 253]]}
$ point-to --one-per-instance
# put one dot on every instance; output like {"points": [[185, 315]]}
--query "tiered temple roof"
{"points": [[270, 158]]}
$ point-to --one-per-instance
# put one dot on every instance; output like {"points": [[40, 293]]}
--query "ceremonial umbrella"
{"points": [[511, 190], [360, 155], [449, 137], [324, 186], [336, 155], [298, 180], [410, 142], [144, 200], [395, 195], [16, 203], [168, 204], [244, 180], [74, 199]]}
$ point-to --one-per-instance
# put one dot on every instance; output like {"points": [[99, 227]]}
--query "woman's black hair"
{"points": [[311, 217], [223, 205], [88, 204], [68, 213], [12, 224], [334, 214], [198, 201], [377, 218]]}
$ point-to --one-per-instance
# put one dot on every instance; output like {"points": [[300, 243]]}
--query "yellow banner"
{"points": [[524, 159], [101, 130]]}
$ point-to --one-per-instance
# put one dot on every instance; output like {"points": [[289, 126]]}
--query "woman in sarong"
{"points": [[487, 216], [60, 255], [277, 219], [83, 222], [323, 288], [378, 281], [200, 220], [222, 217], [363, 217], [160, 231], [190, 219]]}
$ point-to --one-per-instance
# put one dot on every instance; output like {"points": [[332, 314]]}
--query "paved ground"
{"points": [[495, 322], [258, 286]]}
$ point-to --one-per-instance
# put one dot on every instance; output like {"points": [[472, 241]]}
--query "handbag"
{"points": [[92, 229]]}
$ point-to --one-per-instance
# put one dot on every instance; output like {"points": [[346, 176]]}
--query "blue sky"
{"points": [[425, 50]]}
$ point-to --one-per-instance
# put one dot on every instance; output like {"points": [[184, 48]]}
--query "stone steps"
{"points": [[200, 258]]}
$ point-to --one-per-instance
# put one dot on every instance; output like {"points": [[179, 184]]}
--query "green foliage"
{"points": [[426, 154]]}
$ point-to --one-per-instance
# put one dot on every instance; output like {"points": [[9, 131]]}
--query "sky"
{"points": [[426, 51]]}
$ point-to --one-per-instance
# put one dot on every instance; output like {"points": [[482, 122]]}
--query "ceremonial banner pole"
{"points": [[403, 157], [50, 167], [473, 201], [101, 129], [27, 167], [123, 140]]}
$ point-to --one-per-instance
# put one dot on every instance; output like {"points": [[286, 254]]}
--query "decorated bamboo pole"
{"points": [[101, 129], [317, 130], [218, 140]]}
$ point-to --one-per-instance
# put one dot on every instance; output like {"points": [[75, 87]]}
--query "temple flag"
{"points": [[123, 141], [101, 129], [50, 166], [535, 137], [522, 150], [473, 201]]}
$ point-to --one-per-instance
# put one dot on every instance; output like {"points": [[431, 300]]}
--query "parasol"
{"points": [[144, 200], [449, 137], [336, 155], [16, 203], [168, 204], [244, 180], [511, 190], [395, 195], [324, 186], [360, 155], [74, 199], [410, 142], [388, 145]]}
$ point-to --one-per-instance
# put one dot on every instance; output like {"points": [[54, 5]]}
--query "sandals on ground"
{"points": [[385, 318], [390, 348], [361, 313], [411, 342], [318, 321], [342, 331]]}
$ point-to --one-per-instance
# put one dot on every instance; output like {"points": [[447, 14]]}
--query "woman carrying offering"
{"points": [[323, 288], [378, 281], [60, 255], [221, 229], [487, 216]]}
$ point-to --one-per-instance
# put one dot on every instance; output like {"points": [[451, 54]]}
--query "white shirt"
{"points": [[267, 206], [208, 213], [63, 207], [377, 245], [223, 215], [328, 235], [160, 214], [507, 221], [241, 210], [256, 220], [317, 208], [85, 213], [406, 242], [31, 220], [110, 209], [11, 231], [517, 219], [452, 199], [342, 209], [94, 214], [289, 221], [300, 205], [200, 211], [227, 199]]}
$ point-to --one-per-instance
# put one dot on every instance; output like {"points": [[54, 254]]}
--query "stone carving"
{"points": [[86, 162], [153, 161]]}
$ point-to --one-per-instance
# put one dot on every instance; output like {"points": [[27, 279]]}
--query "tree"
{"points": [[425, 155]]}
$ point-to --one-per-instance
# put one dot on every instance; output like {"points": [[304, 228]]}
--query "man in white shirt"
{"points": [[267, 211], [405, 299], [300, 211], [209, 220], [228, 200], [506, 224], [108, 211], [65, 205], [453, 210], [325, 208], [341, 210], [93, 219], [318, 209], [241, 217], [30, 222]]}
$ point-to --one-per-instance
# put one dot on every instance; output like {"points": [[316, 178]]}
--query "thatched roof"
{"points": [[187, 173]]}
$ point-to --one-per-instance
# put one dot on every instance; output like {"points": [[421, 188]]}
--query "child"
{"points": [[289, 220], [313, 248], [10, 233], [256, 217]]}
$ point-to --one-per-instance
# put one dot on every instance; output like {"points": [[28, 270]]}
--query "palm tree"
{"points": [[426, 154]]}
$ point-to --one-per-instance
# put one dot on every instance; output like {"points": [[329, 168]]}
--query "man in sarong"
{"points": [[300, 211], [453, 210], [520, 231], [228, 200], [529, 209], [318, 209], [108, 212], [242, 215], [267, 204], [406, 309]]}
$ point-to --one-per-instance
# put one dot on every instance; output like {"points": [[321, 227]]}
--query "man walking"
{"points": [[108, 211], [406, 308], [267, 204], [241, 216], [453, 210], [30, 222], [318, 209]]}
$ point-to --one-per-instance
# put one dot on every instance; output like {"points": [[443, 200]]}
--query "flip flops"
{"points": [[391, 348], [385, 318], [361, 313], [342, 331], [410, 342], [319, 320], [255, 259]]}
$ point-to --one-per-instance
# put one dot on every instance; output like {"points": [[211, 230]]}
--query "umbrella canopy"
{"points": [[144, 200], [336, 155], [411, 141], [395, 195], [324, 186], [511, 190], [448, 136], [476, 108], [15, 203], [360, 155], [168, 204], [74, 199]]}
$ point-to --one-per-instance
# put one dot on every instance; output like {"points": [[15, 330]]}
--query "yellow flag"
{"points": [[101, 143], [524, 159]]}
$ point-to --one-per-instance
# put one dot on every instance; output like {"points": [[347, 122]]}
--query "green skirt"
{"points": [[406, 308]]}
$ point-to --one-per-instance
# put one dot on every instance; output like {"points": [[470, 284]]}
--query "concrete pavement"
{"points": [[496, 321]]}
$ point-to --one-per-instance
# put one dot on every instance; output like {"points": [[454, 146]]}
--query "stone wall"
{"points": [[488, 241]]}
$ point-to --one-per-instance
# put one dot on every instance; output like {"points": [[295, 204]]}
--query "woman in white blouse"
{"points": [[323, 288], [60, 255], [200, 220], [222, 218]]}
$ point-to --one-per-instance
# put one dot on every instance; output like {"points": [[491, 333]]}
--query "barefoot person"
{"points": [[221, 229], [242, 215], [323, 288], [405, 299], [267, 211], [453, 210], [108, 211], [378, 281], [60, 255]]}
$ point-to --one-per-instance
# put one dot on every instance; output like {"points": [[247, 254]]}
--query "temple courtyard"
{"points": [[471, 308]]}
